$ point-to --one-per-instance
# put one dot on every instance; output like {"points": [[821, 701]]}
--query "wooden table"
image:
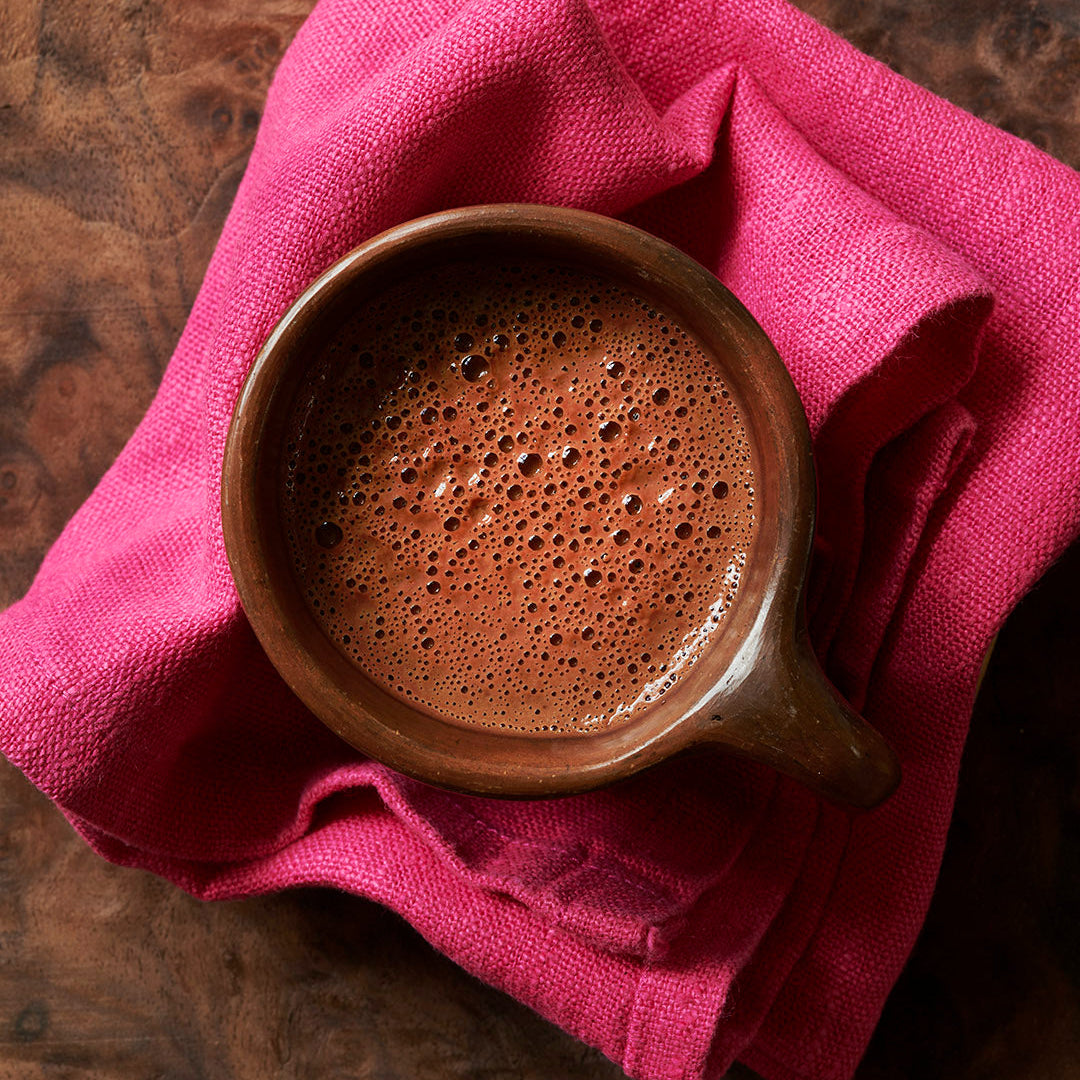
{"points": [[124, 129]]}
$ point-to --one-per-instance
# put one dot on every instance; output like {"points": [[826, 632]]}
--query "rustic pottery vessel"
{"points": [[757, 691]]}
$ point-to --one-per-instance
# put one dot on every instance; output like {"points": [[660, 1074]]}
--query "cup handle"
{"points": [[786, 713]]}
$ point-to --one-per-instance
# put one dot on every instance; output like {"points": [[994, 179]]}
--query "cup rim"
{"points": [[496, 762]]}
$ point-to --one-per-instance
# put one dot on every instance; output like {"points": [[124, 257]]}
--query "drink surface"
{"points": [[519, 496]]}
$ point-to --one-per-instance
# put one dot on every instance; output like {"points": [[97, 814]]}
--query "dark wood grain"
{"points": [[124, 129], [113, 973], [993, 987], [1014, 63]]}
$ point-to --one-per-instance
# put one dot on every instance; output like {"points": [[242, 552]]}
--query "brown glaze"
{"points": [[756, 690]]}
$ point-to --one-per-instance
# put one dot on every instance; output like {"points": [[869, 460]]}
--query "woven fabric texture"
{"points": [[918, 272]]}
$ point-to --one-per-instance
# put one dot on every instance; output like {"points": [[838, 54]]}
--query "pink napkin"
{"points": [[918, 272]]}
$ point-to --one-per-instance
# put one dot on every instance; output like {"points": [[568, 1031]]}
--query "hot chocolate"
{"points": [[518, 495]]}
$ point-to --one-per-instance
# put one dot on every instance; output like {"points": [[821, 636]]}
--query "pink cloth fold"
{"points": [[919, 274]]}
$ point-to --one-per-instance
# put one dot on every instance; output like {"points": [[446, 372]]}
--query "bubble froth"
{"points": [[522, 497]]}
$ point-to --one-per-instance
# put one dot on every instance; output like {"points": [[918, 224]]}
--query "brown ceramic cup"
{"points": [[757, 690]]}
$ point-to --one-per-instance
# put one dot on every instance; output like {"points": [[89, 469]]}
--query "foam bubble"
{"points": [[540, 540]]}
